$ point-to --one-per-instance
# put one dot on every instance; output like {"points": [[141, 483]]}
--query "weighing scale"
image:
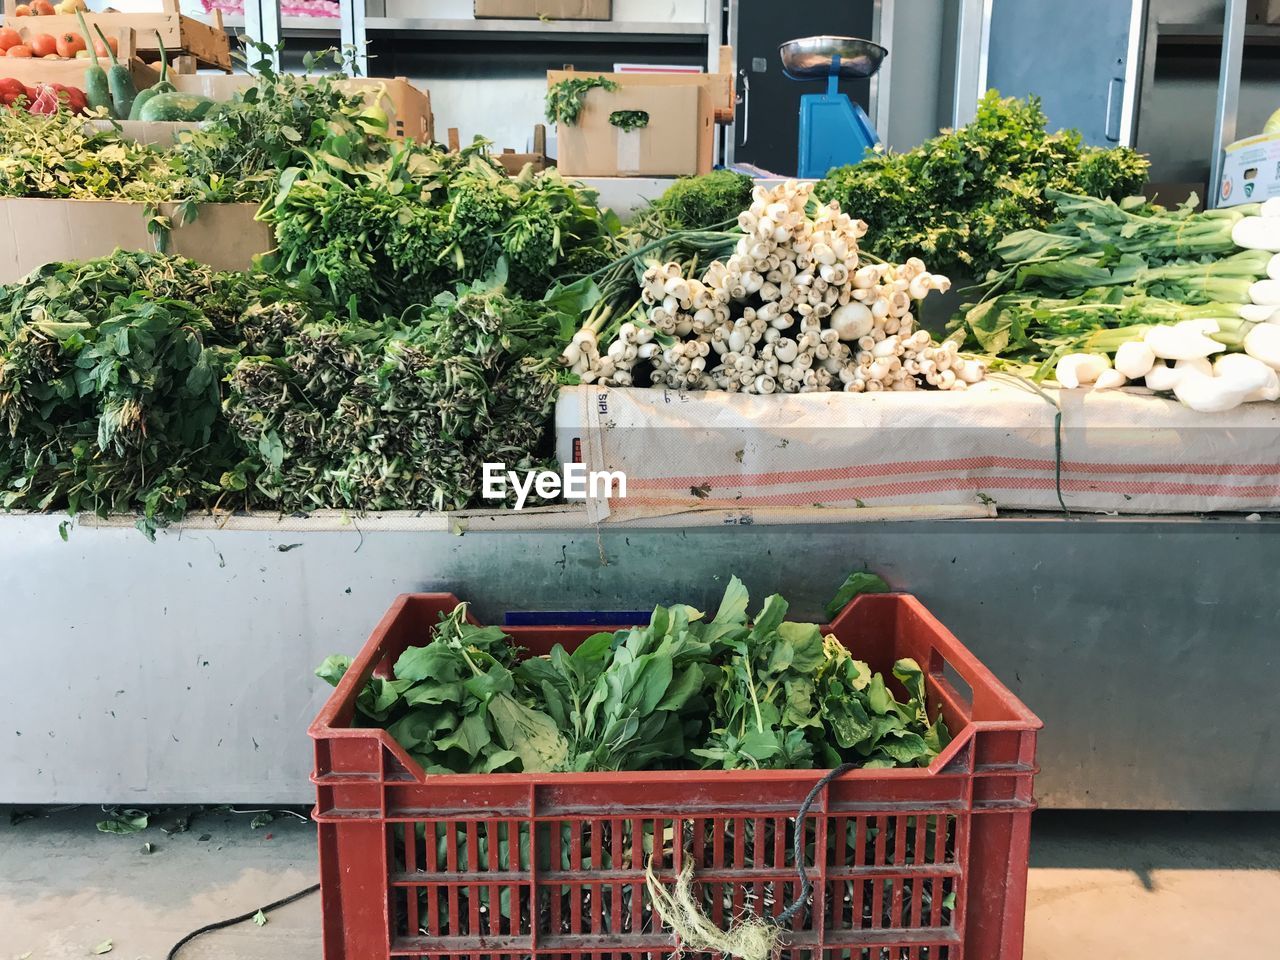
{"points": [[834, 130]]}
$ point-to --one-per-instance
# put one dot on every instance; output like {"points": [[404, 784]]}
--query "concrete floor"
{"points": [[1106, 886]]}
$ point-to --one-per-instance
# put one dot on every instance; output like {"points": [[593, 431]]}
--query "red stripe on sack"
{"points": [[914, 487], [866, 471]]}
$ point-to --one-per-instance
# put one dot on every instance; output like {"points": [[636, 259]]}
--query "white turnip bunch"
{"points": [[794, 309]]}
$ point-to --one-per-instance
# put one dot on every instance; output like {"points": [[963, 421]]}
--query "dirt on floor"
{"points": [[1105, 886]]}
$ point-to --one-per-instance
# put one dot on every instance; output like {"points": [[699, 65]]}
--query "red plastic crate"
{"points": [[885, 848]]}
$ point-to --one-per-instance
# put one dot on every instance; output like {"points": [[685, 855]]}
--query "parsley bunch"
{"points": [[953, 198]]}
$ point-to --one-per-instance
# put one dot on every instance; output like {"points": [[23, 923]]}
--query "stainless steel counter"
{"points": [[180, 671]]}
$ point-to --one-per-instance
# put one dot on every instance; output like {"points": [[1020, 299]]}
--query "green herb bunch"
{"points": [[681, 692], [110, 377], [398, 229], [712, 200], [565, 98], [57, 156], [953, 198], [398, 414], [237, 154]]}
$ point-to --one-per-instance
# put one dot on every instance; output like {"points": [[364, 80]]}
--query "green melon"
{"points": [[1273, 125]]}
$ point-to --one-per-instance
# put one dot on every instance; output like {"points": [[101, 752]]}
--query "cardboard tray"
{"points": [[208, 43], [223, 235]]}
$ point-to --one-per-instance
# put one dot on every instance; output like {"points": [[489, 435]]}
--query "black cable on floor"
{"points": [[210, 927]]}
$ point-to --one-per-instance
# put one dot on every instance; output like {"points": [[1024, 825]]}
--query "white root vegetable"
{"points": [[1200, 365], [1271, 207], [1273, 265], [1266, 292], [1259, 312], [1263, 343], [1135, 359], [1260, 381], [1257, 233], [1209, 394], [1162, 377], [1181, 343], [1110, 380], [1077, 369]]}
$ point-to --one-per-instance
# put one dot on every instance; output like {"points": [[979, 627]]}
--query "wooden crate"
{"points": [[70, 73], [208, 43]]}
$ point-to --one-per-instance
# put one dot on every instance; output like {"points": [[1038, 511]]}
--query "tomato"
{"points": [[100, 50], [42, 44], [9, 37], [22, 10], [69, 43], [43, 8], [18, 50]]}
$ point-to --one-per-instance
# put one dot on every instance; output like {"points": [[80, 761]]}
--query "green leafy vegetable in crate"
{"points": [[732, 692], [953, 198]]}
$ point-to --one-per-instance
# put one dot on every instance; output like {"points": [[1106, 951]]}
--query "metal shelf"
{"points": [[295, 26], [1210, 34], [529, 30]]}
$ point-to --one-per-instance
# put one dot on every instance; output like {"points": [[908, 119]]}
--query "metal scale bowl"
{"points": [[834, 130]]}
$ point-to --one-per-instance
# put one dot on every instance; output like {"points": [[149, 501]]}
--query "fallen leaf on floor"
{"points": [[104, 947], [129, 821], [260, 918]]}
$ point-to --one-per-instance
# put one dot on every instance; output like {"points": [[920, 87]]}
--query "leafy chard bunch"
{"points": [[629, 700], [681, 692], [790, 698], [451, 704]]}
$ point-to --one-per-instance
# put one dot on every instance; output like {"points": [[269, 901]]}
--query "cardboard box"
{"points": [[1250, 171], [408, 108], [514, 162], [223, 235], [702, 127], [544, 9], [668, 146], [206, 42], [1263, 11]]}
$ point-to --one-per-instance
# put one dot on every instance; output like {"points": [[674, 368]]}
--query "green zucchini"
{"points": [[175, 107], [97, 90], [163, 86], [119, 80]]}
